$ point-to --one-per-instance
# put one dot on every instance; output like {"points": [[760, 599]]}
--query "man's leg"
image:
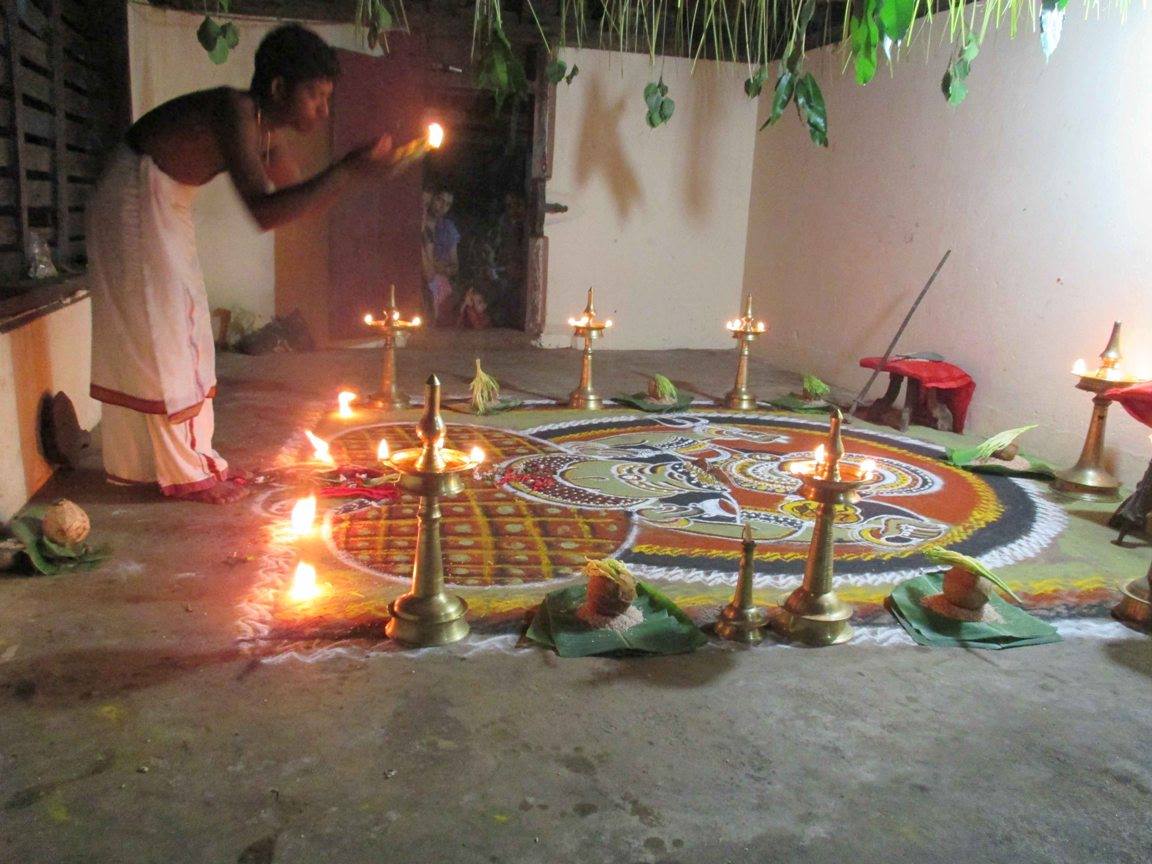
{"points": [[127, 446], [186, 464]]}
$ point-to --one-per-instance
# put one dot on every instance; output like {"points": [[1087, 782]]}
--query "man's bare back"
{"points": [[183, 136]]}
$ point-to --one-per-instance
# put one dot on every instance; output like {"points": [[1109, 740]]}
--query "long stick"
{"points": [[899, 333]]}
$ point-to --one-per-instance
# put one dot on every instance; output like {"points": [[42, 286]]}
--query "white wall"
{"points": [[42, 357], [1040, 183], [167, 61], [657, 218]]}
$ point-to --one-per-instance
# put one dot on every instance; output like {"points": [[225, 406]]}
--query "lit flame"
{"points": [[395, 314], [1079, 368], [320, 451], [383, 451], [368, 319], [819, 454], [304, 587], [867, 468], [416, 321], [303, 516], [477, 455], [345, 398], [608, 323], [435, 135], [761, 326]]}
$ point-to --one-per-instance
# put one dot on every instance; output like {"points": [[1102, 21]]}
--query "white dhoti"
{"points": [[153, 361]]}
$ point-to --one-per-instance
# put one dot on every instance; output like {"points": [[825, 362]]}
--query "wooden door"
{"points": [[374, 233]]}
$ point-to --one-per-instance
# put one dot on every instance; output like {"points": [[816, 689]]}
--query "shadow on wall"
{"points": [[703, 121], [601, 151]]}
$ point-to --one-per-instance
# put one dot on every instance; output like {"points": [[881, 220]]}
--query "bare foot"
{"points": [[224, 492]]}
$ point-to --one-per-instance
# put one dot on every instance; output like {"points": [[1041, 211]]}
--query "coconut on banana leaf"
{"points": [[662, 391], [611, 593], [815, 390], [1001, 449], [966, 587]]}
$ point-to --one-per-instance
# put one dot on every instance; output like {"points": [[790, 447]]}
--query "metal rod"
{"points": [[892, 345]]}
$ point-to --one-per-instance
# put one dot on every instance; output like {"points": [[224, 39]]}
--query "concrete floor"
{"points": [[133, 730]]}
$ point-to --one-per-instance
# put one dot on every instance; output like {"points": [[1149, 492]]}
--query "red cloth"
{"points": [[955, 386], [1137, 400]]}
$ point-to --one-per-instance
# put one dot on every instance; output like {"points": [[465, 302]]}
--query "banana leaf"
{"points": [[979, 459], [643, 402], [1017, 628], [664, 630]]}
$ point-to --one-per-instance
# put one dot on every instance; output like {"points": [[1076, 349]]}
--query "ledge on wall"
{"points": [[30, 299]]}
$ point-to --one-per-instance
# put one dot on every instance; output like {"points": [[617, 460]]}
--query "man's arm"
{"points": [[241, 146]]}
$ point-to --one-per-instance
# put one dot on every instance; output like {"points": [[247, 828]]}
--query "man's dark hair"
{"points": [[295, 54]]}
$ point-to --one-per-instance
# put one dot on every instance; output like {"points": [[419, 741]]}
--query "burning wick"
{"points": [[320, 451], [608, 323], [303, 516], [435, 135], [304, 587], [382, 451], [395, 314], [867, 468], [416, 321], [1079, 368], [819, 454], [368, 319], [346, 398], [477, 455]]}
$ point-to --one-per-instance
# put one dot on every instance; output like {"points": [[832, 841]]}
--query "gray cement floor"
{"points": [[133, 730]]}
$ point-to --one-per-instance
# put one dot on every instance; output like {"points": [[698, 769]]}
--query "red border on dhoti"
{"points": [[147, 406]]}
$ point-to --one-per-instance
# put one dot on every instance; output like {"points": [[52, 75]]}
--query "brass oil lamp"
{"points": [[742, 620], [813, 613], [1135, 607], [589, 328], [744, 330], [427, 615], [1088, 479], [388, 397]]}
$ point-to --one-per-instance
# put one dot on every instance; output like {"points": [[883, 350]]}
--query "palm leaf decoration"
{"points": [[998, 442], [946, 557], [485, 390]]}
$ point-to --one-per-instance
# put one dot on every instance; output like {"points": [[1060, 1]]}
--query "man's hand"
{"points": [[371, 159]]}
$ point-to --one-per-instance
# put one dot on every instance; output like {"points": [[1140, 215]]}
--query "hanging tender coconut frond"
{"points": [[661, 389], [946, 557], [485, 390], [813, 386], [999, 441]]}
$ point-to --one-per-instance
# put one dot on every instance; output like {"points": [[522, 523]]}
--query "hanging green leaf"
{"points": [[554, 72], [896, 17], [382, 18], [754, 85], [230, 33], [864, 35], [785, 87], [208, 34], [660, 107], [955, 84], [219, 54], [810, 104]]}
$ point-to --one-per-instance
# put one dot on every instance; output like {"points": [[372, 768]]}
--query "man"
{"points": [[153, 363]]}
